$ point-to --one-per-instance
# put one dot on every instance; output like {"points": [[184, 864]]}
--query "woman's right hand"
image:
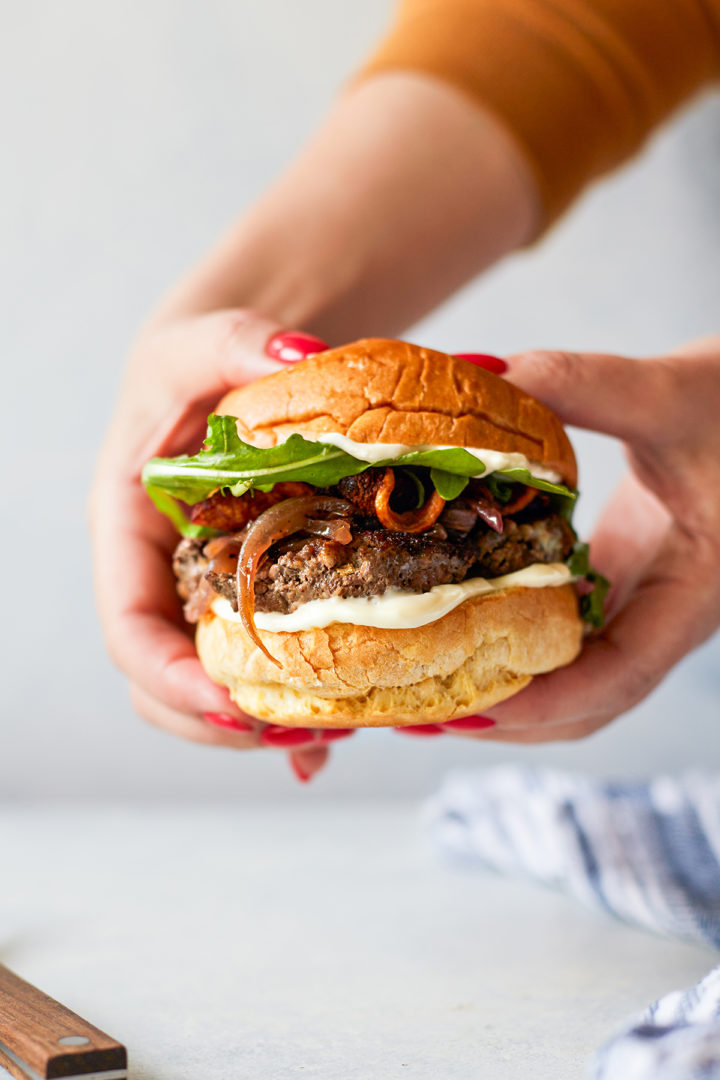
{"points": [[177, 373], [658, 541]]}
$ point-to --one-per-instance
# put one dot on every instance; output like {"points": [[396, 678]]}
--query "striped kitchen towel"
{"points": [[646, 852]]}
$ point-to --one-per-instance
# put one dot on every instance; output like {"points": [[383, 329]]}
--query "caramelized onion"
{"points": [[459, 517], [412, 521], [218, 551], [290, 516]]}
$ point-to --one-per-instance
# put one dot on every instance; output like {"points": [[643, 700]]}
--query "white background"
{"points": [[131, 134]]}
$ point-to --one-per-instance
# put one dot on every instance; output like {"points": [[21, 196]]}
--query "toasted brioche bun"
{"points": [[481, 652], [381, 391]]}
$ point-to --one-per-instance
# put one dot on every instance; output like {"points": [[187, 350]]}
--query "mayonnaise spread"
{"points": [[493, 460], [396, 610]]}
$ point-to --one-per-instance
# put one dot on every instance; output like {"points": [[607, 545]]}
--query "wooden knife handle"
{"points": [[39, 1037]]}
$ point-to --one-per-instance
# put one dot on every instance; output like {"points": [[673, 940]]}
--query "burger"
{"points": [[379, 535]]}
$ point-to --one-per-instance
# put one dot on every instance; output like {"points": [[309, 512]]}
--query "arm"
{"points": [[408, 190]]}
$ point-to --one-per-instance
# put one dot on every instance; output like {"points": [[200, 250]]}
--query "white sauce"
{"points": [[396, 610], [493, 460]]}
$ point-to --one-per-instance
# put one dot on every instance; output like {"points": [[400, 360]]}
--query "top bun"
{"points": [[383, 391]]}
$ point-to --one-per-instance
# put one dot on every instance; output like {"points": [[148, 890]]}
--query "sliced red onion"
{"points": [[488, 512]]}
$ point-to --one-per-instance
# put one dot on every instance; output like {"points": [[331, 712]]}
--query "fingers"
{"points": [[305, 762], [186, 726], [672, 609], [308, 762], [534, 734], [630, 399], [627, 538]]}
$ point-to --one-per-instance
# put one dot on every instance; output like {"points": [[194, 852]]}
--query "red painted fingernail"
{"points": [[224, 720], [331, 734], [293, 346], [286, 736], [470, 723], [484, 360], [302, 776], [419, 729]]}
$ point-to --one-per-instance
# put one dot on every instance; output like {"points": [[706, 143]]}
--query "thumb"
{"points": [[204, 356], [629, 399], [177, 374]]}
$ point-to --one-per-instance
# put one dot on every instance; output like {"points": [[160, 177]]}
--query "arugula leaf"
{"points": [[167, 505], [452, 459], [448, 485], [591, 604], [228, 464], [499, 489], [522, 476]]}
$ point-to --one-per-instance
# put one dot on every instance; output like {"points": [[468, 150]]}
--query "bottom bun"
{"points": [[481, 652]]}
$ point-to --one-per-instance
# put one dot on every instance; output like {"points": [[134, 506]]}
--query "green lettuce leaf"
{"points": [[228, 464], [448, 485], [592, 603]]}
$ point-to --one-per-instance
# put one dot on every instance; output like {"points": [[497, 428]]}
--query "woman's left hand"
{"points": [[178, 371]]}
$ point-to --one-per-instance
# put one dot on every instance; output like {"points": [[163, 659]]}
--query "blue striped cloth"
{"points": [[646, 852]]}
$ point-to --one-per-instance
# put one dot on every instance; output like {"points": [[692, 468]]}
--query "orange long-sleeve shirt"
{"points": [[580, 83]]}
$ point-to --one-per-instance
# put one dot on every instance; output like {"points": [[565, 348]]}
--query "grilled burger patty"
{"points": [[377, 559]]}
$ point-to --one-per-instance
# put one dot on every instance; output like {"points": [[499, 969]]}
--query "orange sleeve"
{"points": [[580, 83]]}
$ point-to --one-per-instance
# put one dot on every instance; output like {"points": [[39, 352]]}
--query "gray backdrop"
{"points": [[131, 134]]}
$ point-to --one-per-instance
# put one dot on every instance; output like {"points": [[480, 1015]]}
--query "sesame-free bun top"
{"points": [[383, 391]]}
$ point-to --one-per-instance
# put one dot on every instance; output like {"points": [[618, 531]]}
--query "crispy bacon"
{"points": [[411, 521], [230, 513], [362, 488], [523, 499]]}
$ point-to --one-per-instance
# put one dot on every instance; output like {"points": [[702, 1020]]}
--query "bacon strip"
{"points": [[231, 513], [412, 521], [524, 499]]}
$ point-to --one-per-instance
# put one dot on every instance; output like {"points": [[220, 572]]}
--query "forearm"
{"points": [[408, 190]]}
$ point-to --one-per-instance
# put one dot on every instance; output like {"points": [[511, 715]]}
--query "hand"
{"points": [[176, 375], [658, 540]]}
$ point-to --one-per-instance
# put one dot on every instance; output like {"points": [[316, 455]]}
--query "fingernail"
{"points": [[331, 734], [419, 729], [470, 723], [293, 346], [284, 736], [224, 720], [302, 776], [484, 360]]}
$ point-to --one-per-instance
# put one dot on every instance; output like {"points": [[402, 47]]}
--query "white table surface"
{"points": [[326, 942]]}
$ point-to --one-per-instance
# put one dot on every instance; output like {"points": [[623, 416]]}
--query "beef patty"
{"points": [[377, 559]]}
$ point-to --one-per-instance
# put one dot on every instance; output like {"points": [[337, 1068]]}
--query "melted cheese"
{"points": [[396, 610]]}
